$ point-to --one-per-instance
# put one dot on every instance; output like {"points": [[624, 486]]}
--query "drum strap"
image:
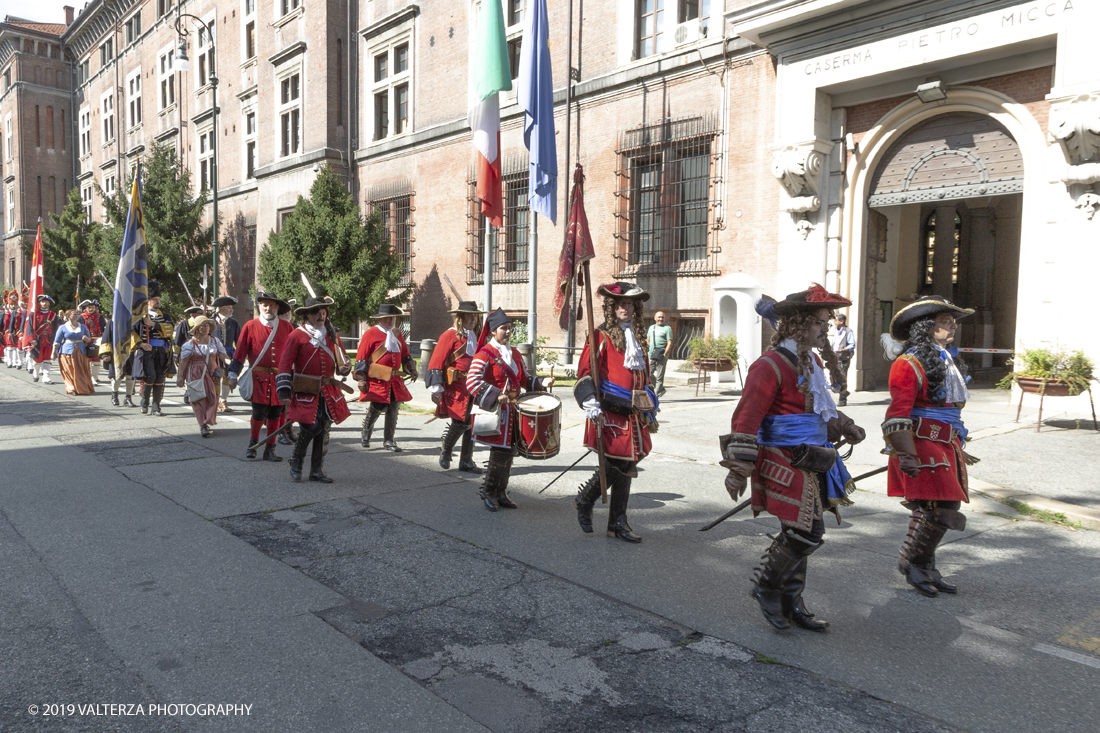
{"points": [[508, 374]]}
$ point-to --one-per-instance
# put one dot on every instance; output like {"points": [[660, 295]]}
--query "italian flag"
{"points": [[490, 74]]}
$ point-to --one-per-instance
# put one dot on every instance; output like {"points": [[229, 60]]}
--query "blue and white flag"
{"points": [[132, 280], [535, 96]]}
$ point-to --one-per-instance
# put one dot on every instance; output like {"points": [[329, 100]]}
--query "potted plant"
{"points": [[713, 353], [1057, 373]]}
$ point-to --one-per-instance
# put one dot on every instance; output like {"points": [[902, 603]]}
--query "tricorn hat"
{"points": [[313, 305], [467, 306], [85, 303], [154, 289], [622, 290], [43, 296], [388, 309], [927, 307], [193, 310], [284, 306], [224, 301]]}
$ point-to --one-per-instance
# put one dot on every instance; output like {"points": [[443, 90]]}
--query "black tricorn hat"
{"points": [[154, 289], [192, 310], [224, 301], [284, 306], [388, 309], [43, 296], [467, 306], [313, 305], [85, 303], [926, 307], [622, 290]]}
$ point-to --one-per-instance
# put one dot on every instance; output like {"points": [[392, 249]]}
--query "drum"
{"points": [[538, 427]]}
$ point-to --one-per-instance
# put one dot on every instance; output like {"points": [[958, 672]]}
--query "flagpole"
{"points": [[490, 245], [594, 370], [533, 288], [571, 334]]}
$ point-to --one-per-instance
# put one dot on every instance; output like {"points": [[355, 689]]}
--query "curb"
{"points": [[1088, 518]]}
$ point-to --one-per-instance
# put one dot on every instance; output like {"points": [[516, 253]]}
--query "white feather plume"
{"points": [[891, 348]]}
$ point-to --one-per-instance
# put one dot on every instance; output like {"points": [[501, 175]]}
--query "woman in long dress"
{"points": [[71, 343], [203, 357]]}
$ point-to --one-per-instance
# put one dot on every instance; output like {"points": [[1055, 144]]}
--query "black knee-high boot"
{"points": [[158, 394], [390, 427], [466, 456], [368, 423], [617, 525], [146, 395], [927, 526], [495, 482], [450, 437], [317, 460], [586, 497], [780, 560], [503, 500], [793, 606], [299, 454]]}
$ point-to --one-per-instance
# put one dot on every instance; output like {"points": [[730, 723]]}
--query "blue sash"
{"points": [[625, 394], [790, 431], [948, 414]]}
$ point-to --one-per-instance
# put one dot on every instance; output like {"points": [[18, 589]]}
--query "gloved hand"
{"points": [[591, 408], [908, 465], [437, 397], [855, 434], [736, 484], [363, 385]]}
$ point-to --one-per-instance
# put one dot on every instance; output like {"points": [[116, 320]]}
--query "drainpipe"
{"points": [[351, 44]]}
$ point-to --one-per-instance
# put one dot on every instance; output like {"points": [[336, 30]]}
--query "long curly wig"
{"points": [[927, 352], [794, 327], [614, 331]]}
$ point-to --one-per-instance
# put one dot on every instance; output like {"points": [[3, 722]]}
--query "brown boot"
{"points": [[780, 561], [917, 561]]}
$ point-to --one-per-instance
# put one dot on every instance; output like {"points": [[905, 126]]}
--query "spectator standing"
{"points": [[843, 341], [659, 337]]}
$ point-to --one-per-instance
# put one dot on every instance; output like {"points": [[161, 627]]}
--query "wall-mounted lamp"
{"points": [[932, 91]]}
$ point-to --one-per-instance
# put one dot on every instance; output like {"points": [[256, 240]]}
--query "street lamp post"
{"points": [[184, 64]]}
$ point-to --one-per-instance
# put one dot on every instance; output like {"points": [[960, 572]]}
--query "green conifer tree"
{"points": [[67, 254]]}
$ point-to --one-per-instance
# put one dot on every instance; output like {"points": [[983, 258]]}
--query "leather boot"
{"points": [[158, 393], [499, 463], [146, 394], [114, 399], [617, 525], [269, 453], [450, 437], [767, 586], [389, 428], [918, 555], [299, 454], [466, 455], [586, 497], [317, 459], [793, 606], [505, 473], [368, 423]]}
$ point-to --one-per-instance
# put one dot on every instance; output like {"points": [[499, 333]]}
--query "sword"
{"points": [[185, 288], [264, 439], [544, 488], [727, 515], [869, 474]]}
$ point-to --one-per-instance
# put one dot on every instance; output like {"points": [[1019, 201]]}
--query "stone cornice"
{"points": [[392, 20], [287, 53]]}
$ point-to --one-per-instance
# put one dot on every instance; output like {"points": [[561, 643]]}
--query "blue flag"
{"points": [[132, 280], [535, 96]]}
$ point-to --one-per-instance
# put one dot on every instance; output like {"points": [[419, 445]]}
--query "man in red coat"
{"points": [[446, 380], [379, 362], [94, 321], [624, 410], [308, 388], [8, 327], [496, 378], [38, 334], [925, 434], [261, 342], [782, 436]]}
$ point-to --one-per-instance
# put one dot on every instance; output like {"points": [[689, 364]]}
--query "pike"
{"points": [[338, 353], [109, 283], [453, 289], [204, 277], [544, 488], [309, 288], [185, 288]]}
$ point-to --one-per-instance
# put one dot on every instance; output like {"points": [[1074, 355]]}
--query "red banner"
{"points": [[36, 288], [577, 248]]}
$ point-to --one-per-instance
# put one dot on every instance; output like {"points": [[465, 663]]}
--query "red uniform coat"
{"points": [[377, 390], [939, 449], [624, 437], [44, 327], [456, 400], [7, 326], [95, 325], [487, 378], [771, 388], [264, 366], [300, 356]]}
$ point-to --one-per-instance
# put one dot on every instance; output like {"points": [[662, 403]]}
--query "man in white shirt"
{"points": [[843, 341]]}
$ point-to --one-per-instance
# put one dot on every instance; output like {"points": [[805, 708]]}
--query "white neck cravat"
{"points": [[633, 358], [268, 322], [953, 383], [505, 352], [824, 405], [316, 335], [471, 343], [392, 344]]}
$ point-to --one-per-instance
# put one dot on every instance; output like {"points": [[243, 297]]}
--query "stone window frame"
{"points": [[248, 17], [107, 116], [166, 79], [290, 107], [84, 126], [133, 28], [134, 94], [204, 157], [10, 208], [251, 141], [205, 62], [387, 43], [110, 185], [86, 198]]}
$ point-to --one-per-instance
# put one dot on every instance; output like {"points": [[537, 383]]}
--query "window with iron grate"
{"points": [[395, 211], [666, 191], [511, 241]]}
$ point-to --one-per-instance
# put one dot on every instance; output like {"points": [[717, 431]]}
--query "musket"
{"points": [[727, 515], [109, 283], [544, 488], [453, 289], [185, 289]]}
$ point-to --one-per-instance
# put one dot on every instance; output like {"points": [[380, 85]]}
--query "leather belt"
{"points": [[265, 370]]}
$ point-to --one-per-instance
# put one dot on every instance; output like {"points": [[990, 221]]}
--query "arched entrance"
{"points": [[937, 205]]}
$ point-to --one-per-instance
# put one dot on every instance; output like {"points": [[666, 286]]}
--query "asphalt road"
{"points": [[142, 563]]}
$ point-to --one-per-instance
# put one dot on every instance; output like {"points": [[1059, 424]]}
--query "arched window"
{"points": [[928, 250]]}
